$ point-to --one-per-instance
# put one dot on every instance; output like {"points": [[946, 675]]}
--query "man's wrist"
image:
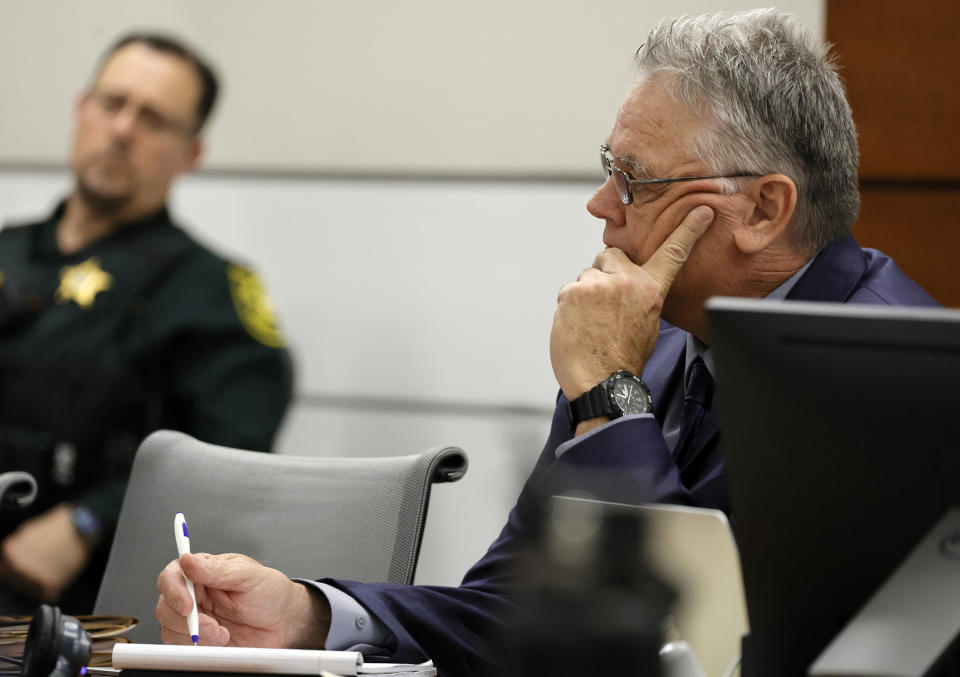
{"points": [[575, 386], [312, 622]]}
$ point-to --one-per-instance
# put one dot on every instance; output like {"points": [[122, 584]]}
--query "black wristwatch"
{"points": [[622, 393]]}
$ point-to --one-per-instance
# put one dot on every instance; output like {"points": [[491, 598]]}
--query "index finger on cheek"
{"points": [[669, 258]]}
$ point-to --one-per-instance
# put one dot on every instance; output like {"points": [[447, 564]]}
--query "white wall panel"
{"points": [[496, 87]]}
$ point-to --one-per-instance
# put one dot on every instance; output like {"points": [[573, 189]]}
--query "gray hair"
{"points": [[772, 102]]}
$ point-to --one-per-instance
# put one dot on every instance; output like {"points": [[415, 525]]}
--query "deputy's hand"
{"points": [[240, 603], [609, 318], [44, 555]]}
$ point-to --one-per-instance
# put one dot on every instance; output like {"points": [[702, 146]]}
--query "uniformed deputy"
{"points": [[114, 323]]}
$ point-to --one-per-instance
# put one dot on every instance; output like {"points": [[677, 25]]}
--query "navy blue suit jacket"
{"points": [[458, 627]]}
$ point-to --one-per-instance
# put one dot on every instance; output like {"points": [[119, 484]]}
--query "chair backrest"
{"points": [[354, 518]]}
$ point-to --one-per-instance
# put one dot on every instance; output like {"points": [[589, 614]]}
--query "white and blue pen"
{"points": [[182, 537]]}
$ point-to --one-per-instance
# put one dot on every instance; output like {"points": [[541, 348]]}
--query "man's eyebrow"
{"points": [[121, 93], [637, 168]]}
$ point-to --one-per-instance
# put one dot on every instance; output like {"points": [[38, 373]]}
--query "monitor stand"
{"points": [[911, 624]]}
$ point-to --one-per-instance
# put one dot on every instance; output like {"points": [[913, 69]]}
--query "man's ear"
{"points": [[79, 102], [774, 198], [194, 154]]}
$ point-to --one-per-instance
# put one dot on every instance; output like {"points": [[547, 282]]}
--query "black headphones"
{"points": [[57, 645]]}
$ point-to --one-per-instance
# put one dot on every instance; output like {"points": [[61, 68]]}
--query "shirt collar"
{"points": [[45, 244]]}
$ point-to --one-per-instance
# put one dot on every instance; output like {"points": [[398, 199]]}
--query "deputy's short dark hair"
{"points": [[175, 47]]}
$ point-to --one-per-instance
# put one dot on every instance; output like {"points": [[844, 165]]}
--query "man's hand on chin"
{"points": [[609, 318]]}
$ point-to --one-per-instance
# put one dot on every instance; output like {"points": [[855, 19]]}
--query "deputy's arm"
{"points": [[225, 370], [45, 554]]}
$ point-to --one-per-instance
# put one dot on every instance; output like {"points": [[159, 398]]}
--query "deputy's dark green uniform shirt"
{"points": [[144, 329]]}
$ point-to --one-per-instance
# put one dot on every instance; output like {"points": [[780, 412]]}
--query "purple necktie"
{"points": [[697, 394]]}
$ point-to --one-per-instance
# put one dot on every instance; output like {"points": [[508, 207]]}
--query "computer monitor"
{"points": [[841, 432]]}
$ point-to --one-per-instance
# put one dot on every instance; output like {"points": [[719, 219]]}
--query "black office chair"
{"points": [[355, 518]]}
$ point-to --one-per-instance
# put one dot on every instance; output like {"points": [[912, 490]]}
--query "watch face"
{"points": [[631, 396]]}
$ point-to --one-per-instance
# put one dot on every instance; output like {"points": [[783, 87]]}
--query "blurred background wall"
{"points": [[408, 177]]}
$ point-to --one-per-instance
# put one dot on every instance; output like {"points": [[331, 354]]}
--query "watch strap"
{"points": [[598, 401], [87, 524], [591, 404]]}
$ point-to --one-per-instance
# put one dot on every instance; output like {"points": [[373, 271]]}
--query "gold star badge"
{"points": [[82, 282]]}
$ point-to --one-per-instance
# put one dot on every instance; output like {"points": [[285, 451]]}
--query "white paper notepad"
{"points": [[252, 660]]}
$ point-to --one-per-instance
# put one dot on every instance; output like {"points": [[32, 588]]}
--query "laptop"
{"points": [[693, 550]]}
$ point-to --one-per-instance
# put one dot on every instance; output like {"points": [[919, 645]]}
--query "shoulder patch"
{"points": [[254, 309]]}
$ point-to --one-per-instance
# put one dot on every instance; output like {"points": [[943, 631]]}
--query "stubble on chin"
{"points": [[96, 192]]}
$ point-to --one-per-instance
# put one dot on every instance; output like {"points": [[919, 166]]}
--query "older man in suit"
{"points": [[731, 170]]}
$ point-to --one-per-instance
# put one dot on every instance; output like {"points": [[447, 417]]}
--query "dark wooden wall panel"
{"points": [[919, 228], [901, 64]]}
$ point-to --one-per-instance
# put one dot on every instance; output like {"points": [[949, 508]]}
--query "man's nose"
{"points": [[605, 204], [125, 121]]}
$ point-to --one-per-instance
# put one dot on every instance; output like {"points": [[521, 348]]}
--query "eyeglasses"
{"points": [[623, 182], [108, 104]]}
